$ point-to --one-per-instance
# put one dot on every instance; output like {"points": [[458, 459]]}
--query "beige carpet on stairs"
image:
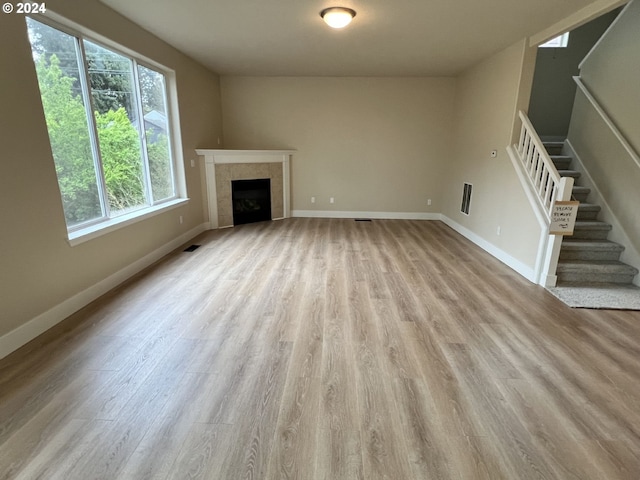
{"points": [[613, 297]]}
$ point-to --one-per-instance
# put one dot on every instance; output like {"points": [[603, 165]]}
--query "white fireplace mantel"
{"points": [[219, 156]]}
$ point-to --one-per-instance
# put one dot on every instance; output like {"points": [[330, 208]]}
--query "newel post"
{"points": [[554, 243]]}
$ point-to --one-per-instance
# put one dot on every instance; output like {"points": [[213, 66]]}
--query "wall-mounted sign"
{"points": [[563, 218]]}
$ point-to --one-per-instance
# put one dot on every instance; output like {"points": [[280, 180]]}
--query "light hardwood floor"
{"points": [[327, 349]]}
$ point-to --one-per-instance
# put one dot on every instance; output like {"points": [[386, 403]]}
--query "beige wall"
{"points": [[388, 144], [374, 144], [39, 269], [487, 100]]}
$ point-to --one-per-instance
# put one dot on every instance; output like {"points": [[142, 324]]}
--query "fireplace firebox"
{"points": [[251, 200]]}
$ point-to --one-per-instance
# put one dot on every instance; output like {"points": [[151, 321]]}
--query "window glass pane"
{"points": [[56, 58], [156, 129], [558, 42], [116, 114]]}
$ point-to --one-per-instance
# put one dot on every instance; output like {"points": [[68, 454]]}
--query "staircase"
{"points": [[587, 257]]}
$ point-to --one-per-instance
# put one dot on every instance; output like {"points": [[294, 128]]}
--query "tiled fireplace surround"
{"points": [[224, 166]]}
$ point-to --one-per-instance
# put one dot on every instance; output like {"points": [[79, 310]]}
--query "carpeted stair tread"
{"points": [[605, 266], [594, 271], [592, 225], [580, 193], [576, 244], [569, 173], [553, 147], [601, 285], [588, 211], [588, 249], [561, 162], [592, 229], [589, 206]]}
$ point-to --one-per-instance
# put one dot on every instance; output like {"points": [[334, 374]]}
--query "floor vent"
{"points": [[362, 219], [191, 248], [466, 198]]}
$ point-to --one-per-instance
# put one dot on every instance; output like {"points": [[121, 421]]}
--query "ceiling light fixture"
{"points": [[337, 17]]}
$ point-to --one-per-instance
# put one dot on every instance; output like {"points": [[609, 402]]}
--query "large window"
{"points": [[108, 124]]}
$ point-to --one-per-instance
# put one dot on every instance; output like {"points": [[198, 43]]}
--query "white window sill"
{"points": [[80, 236]]}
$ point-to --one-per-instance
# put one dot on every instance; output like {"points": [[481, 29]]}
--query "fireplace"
{"points": [[251, 200], [224, 166]]}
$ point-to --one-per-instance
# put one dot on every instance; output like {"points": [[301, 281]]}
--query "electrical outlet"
{"points": [[331, 200], [193, 163], [313, 199], [428, 202], [498, 230], [180, 219]]}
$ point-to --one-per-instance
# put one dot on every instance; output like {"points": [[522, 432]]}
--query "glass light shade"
{"points": [[337, 17]]}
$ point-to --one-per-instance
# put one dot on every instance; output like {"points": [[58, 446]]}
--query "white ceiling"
{"points": [[386, 38]]}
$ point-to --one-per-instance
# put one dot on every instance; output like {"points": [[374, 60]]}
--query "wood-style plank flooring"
{"points": [[326, 349]]}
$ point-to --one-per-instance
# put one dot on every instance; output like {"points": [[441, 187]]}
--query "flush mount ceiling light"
{"points": [[337, 17]]}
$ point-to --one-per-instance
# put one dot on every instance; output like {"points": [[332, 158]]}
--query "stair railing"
{"points": [[547, 183], [543, 186]]}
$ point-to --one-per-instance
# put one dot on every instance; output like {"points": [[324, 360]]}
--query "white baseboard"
{"points": [[376, 215], [38, 325], [525, 270]]}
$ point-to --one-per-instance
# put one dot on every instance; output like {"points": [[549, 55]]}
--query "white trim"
{"points": [[248, 156], [212, 190], [80, 236], [525, 270], [607, 119], [360, 214], [28, 331]]}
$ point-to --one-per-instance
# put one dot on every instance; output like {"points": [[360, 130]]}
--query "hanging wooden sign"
{"points": [[563, 217]]}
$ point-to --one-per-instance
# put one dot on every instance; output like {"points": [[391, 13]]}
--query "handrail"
{"points": [[612, 126], [547, 183]]}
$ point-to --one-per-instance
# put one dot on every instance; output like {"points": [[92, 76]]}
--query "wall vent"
{"points": [[466, 198]]}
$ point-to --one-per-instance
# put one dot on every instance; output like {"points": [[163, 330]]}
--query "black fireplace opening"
{"points": [[251, 200]]}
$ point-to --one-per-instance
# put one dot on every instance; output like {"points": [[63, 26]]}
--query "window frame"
{"points": [[99, 226]]}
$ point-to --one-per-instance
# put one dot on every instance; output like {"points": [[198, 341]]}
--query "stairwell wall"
{"points": [[611, 73], [553, 89]]}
